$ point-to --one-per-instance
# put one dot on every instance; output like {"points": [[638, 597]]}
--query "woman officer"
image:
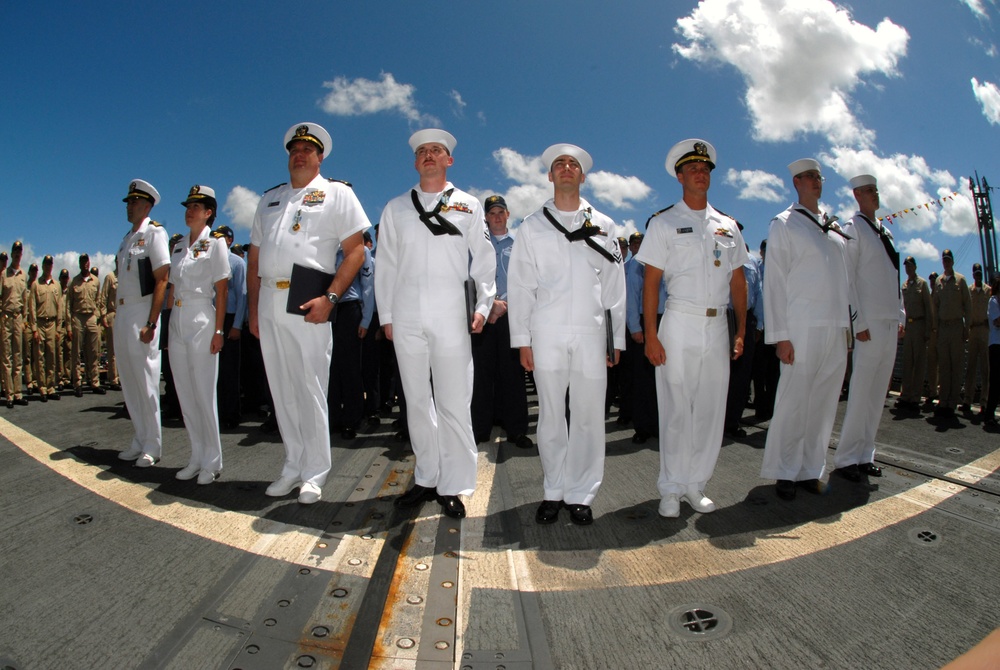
{"points": [[199, 273]]}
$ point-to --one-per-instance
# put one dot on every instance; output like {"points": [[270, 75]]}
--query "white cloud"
{"points": [[240, 205], [919, 249], [904, 182], [977, 7], [800, 61], [359, 97], [457, 104], [988, 96], [958, 216], [532, 187], [757, 185]]}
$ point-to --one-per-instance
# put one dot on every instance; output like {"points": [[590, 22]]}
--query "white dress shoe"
{"points": [[670, 506], [190, 472], [698, 501], [282, 487], [207, 477], [309, 493], [131, 453], [146, 461]]}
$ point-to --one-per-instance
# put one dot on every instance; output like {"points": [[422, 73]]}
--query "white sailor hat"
{"points": [[199, 193], [863, 180], [309, 132], [687, 151], [138, 188], [556, 150], [803, 165], [428, 135]]}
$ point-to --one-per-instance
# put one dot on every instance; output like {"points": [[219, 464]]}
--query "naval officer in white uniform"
{"points": [[200, 278], [699, 253], [143, 251], [565, 276], [432, 239], [807, 312], [302, 223], [873, 264]]}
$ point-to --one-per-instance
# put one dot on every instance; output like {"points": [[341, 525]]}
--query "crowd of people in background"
{"points": [[680, 327]]}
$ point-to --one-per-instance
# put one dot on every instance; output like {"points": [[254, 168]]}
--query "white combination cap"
{"points": [[863, 180], [556, 150], [688, 151], [139, 188], [309, 132], [199, 193]]}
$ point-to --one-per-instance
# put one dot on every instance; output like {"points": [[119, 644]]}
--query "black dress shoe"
{"points": [[522, 442], [480, 438], [417, 495], [54, 396], [850, 472], [737, 432], [20, 401], [814, 486], [785, 488], [402, 436], [373, 421], [640, 437], [453, 507], [623, 420], [10, 403], [870, 469], [78, 392], [581, 515], [270, 425], [99, 390], [115, 387], [548, 512], [44, 398], [348, 433]]}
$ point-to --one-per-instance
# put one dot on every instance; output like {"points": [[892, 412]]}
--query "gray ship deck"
{"points": [[109, 566]]}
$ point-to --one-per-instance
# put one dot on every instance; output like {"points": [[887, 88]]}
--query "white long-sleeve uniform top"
{"points": [[305, 226], [685, 244], [561, 286], [196, 267], [876, 279], [149, 241], [422, 275], [806, 280]]}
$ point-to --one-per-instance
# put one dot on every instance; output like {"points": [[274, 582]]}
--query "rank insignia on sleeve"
{"points": [[314, 198]]}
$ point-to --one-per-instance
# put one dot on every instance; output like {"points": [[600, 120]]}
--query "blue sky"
{"points": [[97, 94]]}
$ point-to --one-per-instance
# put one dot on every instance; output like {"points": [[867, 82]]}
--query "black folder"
{"points": [[609, 330], [307, 284], [470, 301], [147, 282]]}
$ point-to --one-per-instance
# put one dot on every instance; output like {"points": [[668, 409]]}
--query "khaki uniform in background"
{"points": [[82, 297], [43, 313], [12, 304], [953, 309], [109, 295], [979, 339], [919, 323]]}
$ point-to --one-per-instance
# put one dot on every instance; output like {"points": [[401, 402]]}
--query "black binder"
{"points": [[147, 282], [731, 322], [307, 284], [609, 331], [470, 301]]}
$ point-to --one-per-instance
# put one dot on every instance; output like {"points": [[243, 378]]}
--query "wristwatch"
{"points": [[333, 298], [218, 332], [151, 325]]}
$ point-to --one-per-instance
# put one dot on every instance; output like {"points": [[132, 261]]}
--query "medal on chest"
{"points": [[717, 252], [296, 220]]}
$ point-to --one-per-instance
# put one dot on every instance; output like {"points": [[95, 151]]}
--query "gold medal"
{"points": [[718, 263]]}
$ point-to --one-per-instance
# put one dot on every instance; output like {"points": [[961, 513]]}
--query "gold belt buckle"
{"points": [[711, 311], [282, 284], [177, 303]]}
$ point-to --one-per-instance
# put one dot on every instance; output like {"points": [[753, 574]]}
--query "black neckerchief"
{"points": [[443, 225], [890, 250], [825, 227], [585, 233]]}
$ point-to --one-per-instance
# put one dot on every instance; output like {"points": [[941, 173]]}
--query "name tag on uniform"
{"points": [[681, 231], [274, 204]]}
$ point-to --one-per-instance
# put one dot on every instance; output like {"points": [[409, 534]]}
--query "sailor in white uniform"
{"points": [[873, 264], [143, 271], [200, 278], [565, 279], [432, 239], [807, 312], [699, 253], [302, 223]]}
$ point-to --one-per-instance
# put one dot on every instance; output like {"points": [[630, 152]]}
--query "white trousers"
{"points": [[435, 367], [139, 375], [297, 360], [805, 405], [572, 455], [692, 388], [196, 371], [871, 370]]}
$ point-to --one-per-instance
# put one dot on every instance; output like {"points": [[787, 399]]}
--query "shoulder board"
{"points": [[724, 214], [155, 223], [657, 214], [274, 187], [341, 181]]}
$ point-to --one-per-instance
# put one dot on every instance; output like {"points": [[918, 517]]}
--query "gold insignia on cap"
{"points": [[700, 149], [194, 190], [302, 130], [131, 186]]}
